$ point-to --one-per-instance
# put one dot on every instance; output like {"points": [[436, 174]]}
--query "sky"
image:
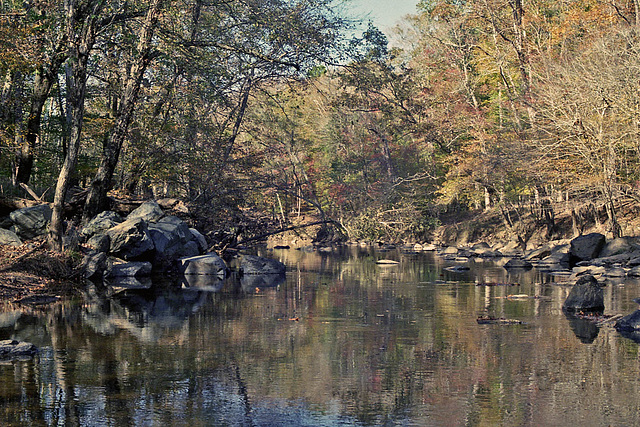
{"points": [[384, 13]]}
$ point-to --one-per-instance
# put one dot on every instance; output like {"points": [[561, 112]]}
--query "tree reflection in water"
{"points": [[339, 341]]}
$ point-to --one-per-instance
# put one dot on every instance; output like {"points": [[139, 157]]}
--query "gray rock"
{"points": [[620, 245], [129, 269], [94, 265], [99, 242], [31, 222], [615, 272], [200, 240], [457, 268], [634, 272], [208, 264], [123, 283], [251, 264], [130, 239], [149, 211], [585, 248], [586, 295], [450, 250], [101, 223], [8, 237], [170, 236], [518, 263], [629, 323], [12, 349]]}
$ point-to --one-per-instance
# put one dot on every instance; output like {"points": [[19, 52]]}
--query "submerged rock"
{"points": [[251, 264], [518, 263], [586, 295]]}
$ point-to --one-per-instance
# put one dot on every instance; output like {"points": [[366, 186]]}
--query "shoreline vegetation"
{"points": [[510, 124]]}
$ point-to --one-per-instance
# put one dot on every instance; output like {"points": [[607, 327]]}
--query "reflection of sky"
{"points": [[384, 13]]}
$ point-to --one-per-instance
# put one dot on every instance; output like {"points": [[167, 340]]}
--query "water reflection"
{"points": [[339, 341]]}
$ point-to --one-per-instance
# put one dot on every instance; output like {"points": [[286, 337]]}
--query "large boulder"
{"points": [[101, 223], [12, 349], [172, 239], [149, 211], [586, 247], [130, 240], [586, 295], [32, 221], [208, 264], [8, 237], [251, 264]]}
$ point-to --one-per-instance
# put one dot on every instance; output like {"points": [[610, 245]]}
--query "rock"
{"points": [[586, 295], [618, 246], [633, 262], [630, 322], [585, 248], [634, 272], [31, 222], [12, 349], [149, 211], [130, 239], [170, 236], [518, 263], [208, 264], [94, 265], [450, 250], [615, 272], [199, 239], [128, 269], [101, 223], [99, 242], [123, 283], [251, 264], [8, 237]]}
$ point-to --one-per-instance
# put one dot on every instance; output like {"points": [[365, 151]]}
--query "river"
{"points": [[342, 341]]}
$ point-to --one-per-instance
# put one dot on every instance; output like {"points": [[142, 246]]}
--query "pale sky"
{"points": [[384, 13]]}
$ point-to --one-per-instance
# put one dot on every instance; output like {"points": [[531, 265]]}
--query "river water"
{"points": [[341, 341]]}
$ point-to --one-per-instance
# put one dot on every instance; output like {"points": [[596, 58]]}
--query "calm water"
{"points": [[342, 341]]}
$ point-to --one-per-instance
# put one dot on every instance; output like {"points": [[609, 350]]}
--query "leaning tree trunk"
{"points": [[97, 198]]}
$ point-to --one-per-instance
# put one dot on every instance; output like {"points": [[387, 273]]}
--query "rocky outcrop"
{"points": [[12, 349], [586, 295], [101, 223], [129, 269]]}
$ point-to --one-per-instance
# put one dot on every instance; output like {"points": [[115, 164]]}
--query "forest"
{"points": [[263, 114]]}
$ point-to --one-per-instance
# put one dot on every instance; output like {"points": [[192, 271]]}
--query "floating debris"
{"points": [[523, 297], [497, 284], [387, 262], [485, 320]]}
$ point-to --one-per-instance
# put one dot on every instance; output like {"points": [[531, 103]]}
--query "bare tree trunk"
{"points": [[81, 30], [97, 197]]}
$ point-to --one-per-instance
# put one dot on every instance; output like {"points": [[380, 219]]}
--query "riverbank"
{"points": [[31, 273]]}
